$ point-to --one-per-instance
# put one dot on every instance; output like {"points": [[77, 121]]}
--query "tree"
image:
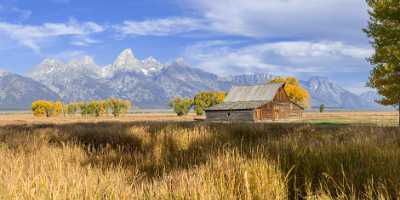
{"points": [[84, 108], [181, 106], [321, 108], [72, 108], [42, 108], [58, 108], [293, 89], [383, 30], [96, 108], [205, 100], [119, 106]]}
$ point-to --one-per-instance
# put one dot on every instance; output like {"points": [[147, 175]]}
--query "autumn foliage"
{"points": [[293, 89], [205, 100], [181, 106], [94, 108]]}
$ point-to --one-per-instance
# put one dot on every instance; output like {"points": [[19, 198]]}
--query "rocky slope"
{"points": [[18, 92]]}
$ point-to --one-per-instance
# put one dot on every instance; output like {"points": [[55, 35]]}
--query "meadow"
{"points": [[157, 159]]}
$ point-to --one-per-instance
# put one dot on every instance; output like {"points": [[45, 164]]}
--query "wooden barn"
{"points": [[256, 103]]}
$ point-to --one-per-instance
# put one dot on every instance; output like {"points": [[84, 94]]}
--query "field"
{"points": [[160, 156]]}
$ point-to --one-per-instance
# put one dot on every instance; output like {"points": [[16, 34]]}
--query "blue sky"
{"points": [[284, 37]]}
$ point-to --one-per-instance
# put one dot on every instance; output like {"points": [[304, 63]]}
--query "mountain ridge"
{"points": [[150, 84]]}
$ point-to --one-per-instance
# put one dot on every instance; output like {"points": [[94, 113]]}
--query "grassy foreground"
{"points": [[186, 160]]}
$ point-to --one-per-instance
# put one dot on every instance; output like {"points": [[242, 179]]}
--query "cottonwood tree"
{"points": [[42, 108], [384, 31], [205, 100], [181, 106], [293, 89]]}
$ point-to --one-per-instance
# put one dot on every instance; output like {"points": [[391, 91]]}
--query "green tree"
{"points": [[321, 108], [293, 89], [84, 108], [384, 32], [181, 106], [205, 100], [119, 106], [72, 108]]}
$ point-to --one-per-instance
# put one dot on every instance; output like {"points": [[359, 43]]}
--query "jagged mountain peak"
{"points": [[3, 73], [126, 58], [83, 61], [51, 62]]}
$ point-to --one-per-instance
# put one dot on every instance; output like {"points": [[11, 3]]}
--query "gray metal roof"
{"points": [[239, 105], [248, 97], [264, 92]]}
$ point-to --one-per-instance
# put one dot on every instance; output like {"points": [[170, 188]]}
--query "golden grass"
{"points": [[186, 160], [379, 118]]}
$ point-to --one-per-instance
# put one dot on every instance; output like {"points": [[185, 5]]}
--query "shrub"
{"points": [[181, 106]]}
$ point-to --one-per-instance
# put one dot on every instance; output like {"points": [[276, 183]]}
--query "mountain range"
{"points": [[148, 83]]}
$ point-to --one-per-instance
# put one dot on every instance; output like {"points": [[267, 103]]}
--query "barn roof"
{"points": [[264, 92], [248, 97], [239, 105]]}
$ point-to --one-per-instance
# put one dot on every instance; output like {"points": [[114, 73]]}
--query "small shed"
{"points": [[256, 103]]}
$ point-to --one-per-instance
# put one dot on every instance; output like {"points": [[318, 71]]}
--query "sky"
{"points": [[301, 38]]}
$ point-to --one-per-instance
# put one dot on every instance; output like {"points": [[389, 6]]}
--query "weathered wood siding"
{"points": [[236, 115], [280, 108]]}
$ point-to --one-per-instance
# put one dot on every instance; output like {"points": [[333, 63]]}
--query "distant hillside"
{"points": [[18, 92]]}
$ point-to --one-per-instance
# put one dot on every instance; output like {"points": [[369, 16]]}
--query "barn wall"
{"points": [[237, 115]]}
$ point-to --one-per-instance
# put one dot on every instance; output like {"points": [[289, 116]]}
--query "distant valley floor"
{"points": [[329, 118]]}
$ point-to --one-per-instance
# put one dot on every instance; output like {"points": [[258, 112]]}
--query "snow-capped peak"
{"points": [[85, 61], [3, 72], [127, 62], [126, 58], [152, 64]]}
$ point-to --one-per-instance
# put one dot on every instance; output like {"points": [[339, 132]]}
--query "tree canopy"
{"points": [[384, 31], [205, 100], [293, 89]]}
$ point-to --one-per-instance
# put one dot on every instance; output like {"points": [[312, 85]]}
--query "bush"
{"points": [[181, 106]]}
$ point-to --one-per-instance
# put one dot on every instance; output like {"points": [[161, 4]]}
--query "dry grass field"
{"points": [[160, 156], [377, 118]]}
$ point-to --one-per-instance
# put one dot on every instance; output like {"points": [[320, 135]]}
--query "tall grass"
{"points": [[157, 160]]}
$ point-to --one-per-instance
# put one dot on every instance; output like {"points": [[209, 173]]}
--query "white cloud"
{"points": [[282, 58], [160, 27], [301, 19], [32, 35], [84, 41]]}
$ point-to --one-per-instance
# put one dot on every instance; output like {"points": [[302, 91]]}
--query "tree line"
{"points": [[96, 108]]}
